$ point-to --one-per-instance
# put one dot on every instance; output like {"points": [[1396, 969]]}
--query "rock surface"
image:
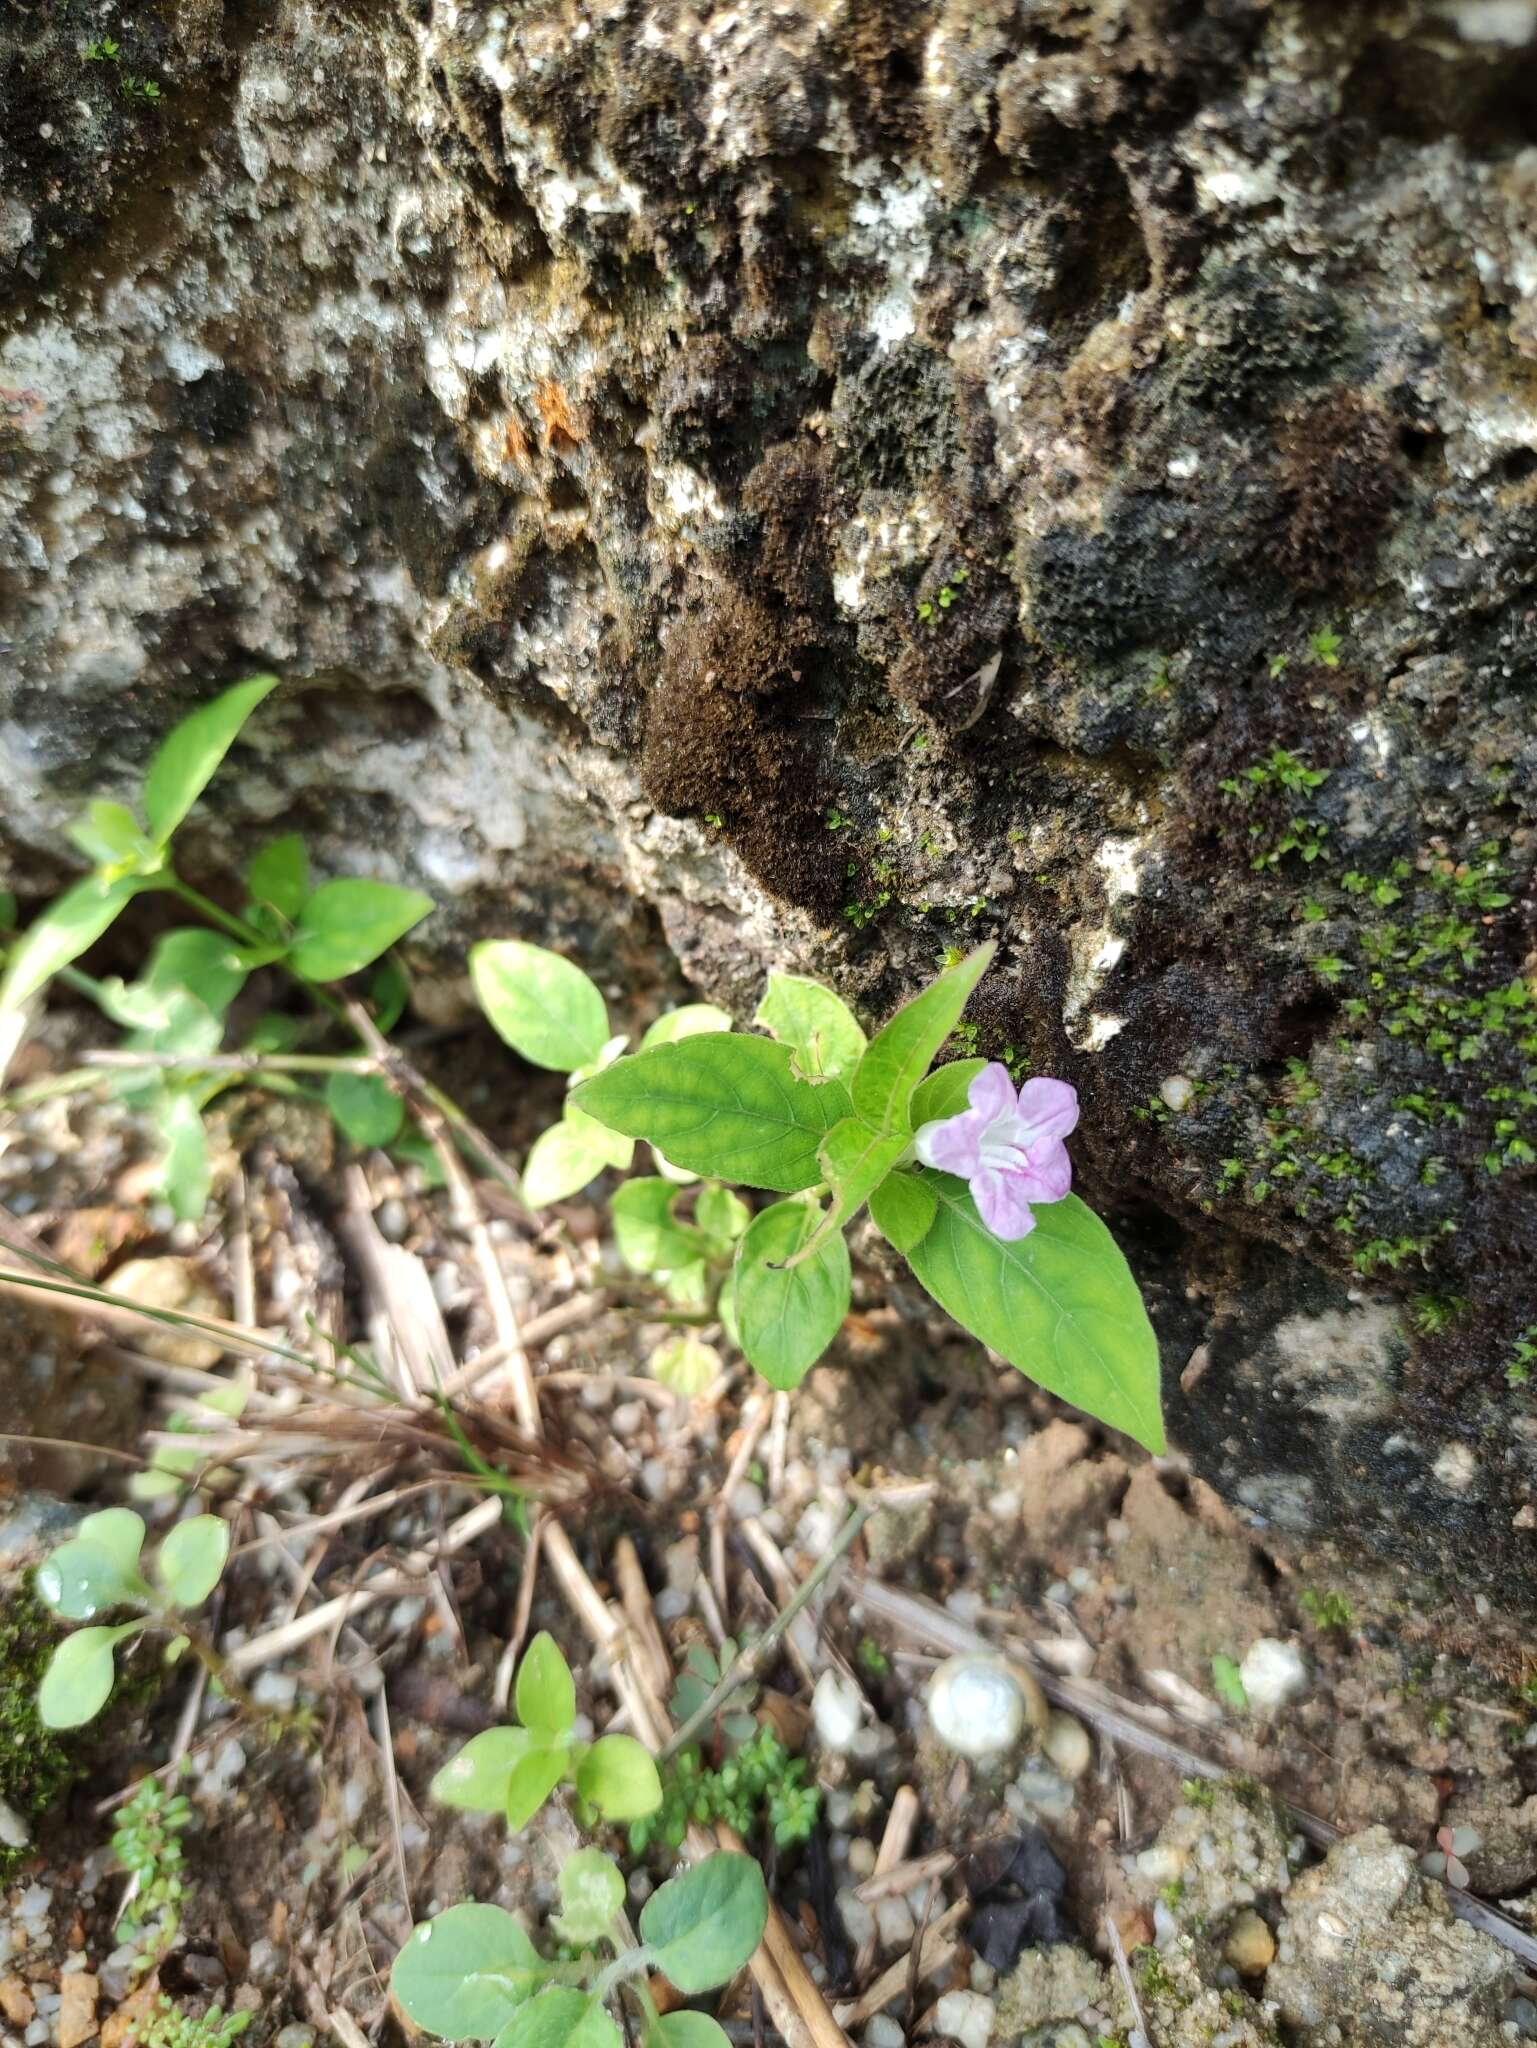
{"points": [[634, 446]]}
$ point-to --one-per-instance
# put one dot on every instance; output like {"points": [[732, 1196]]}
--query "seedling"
{"points": [[100, 1569], [514, 1770], [474, 1972], [147, 1843]]}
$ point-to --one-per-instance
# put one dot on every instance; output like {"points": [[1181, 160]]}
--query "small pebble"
{"points": [[1162, 1864], [1177, 1091], [1250, 1945], [1273, 1673], [976, 1706], [884, 2032], [391, 1220], [1521, 2013], [862, 1854], [628, 1418], [966, 2016], [1068, 1745], [894, 1923], [858, 1918], [837, 1711], [746, 1500]]}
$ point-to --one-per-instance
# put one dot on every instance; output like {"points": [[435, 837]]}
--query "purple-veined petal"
{"points": [[952, 1143], [1049, 1107], [1002, 1205], [1047, 1174], [991, 1093]]}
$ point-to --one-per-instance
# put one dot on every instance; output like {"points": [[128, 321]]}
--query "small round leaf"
{"points": [[478, 1778], [591, 1893], [191, 1559], [463, 1975], [705, 1924], [547, 1009], [546, 1695], [618, 1776], [79, 1677]]}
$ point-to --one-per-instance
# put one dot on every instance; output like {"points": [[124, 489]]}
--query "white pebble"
{"points": [[1177, 1091], [1161, 1864], [837, 1710], [746, 1500], [966, 2016], [894, 1923], [1067, 1744], [976, 1706], [884, 2031], [1273, 1674], [862, 1854], [858, 1920]]}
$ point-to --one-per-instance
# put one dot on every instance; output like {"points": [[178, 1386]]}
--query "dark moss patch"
{"points": [[36, 1764], [1341, 471]]}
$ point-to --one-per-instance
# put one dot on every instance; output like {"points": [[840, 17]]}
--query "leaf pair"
{"points": [[325, 933], [474, 1974], [99, 1568], [514, 1770]]}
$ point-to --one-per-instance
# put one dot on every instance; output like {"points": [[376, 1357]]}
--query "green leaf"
{"points": [[618, 1776], [902, 1208], [722, 1104], [560, 2018], [855, 1159], [687, 2030], [533, 1780], [1228, 1680], [649, 1238], [477, 1778], [687, 1286], [819, 1028], [108, 833], [203, 963], [591, 1893], [346, 924], [95, 1570], [685, 1364], [366, 1108], [902, 1051], [280, 875], [184, 762], [191, 1558], [545, 1696], [389, 990], [7, 910], [705, 1924], [79, 1677], [721, 1216], [787, 1317], [463, 1975], [545, 1007], [685, 1023], [185, 1170], [563, 1159], [1061, 1304], [65, 930], [943, 1093]]}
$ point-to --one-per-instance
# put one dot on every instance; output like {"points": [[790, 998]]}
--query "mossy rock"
{"points": [[36, 1764]]}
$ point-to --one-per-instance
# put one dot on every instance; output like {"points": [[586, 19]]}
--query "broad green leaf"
{"points": [[1061, 1304], [687, 2030], [533, 1780], [108, 833], [545, 1696], [855, 1160], [478, 1777], [649, 1237], [347, 924], [902, 1051], [120, 1532], [903, 1207], [272, 1032], [65, 930], [685, 1364], [721, 1104], [79, 1677], [618, 1776], [705, 1924], [560, 2018], [545, 1007], [820, 1029], [787, 1317], [685, 1023], [191, 1558], [463, 1975], [185, 1026], [280, 875], [185, 1169], [389, 990], [205, 964], [366, 1108], [943, 1093], [591, 1893], [722, 1216], [563, 1159], [85, 1577], [184, 762]]}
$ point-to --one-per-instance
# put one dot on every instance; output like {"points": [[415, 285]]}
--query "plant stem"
{"points": [[753, 1655], [236, 927], [238, 1062], [219, 1672]]}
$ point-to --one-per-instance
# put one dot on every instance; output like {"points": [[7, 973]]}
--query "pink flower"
{"points": [[1008, 1146]]}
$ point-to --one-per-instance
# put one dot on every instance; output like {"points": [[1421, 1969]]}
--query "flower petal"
{"points": [[1047, 1174], [991, 1092], [1002, 1205], [952, 1143], [1049, 1107]]}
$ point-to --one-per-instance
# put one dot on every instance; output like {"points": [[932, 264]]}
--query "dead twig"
{"points": [[932, 1952], [898, 1834]]}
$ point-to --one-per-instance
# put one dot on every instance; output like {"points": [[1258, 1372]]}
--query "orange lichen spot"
{"points": [[515, 446], [554, 408]]}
